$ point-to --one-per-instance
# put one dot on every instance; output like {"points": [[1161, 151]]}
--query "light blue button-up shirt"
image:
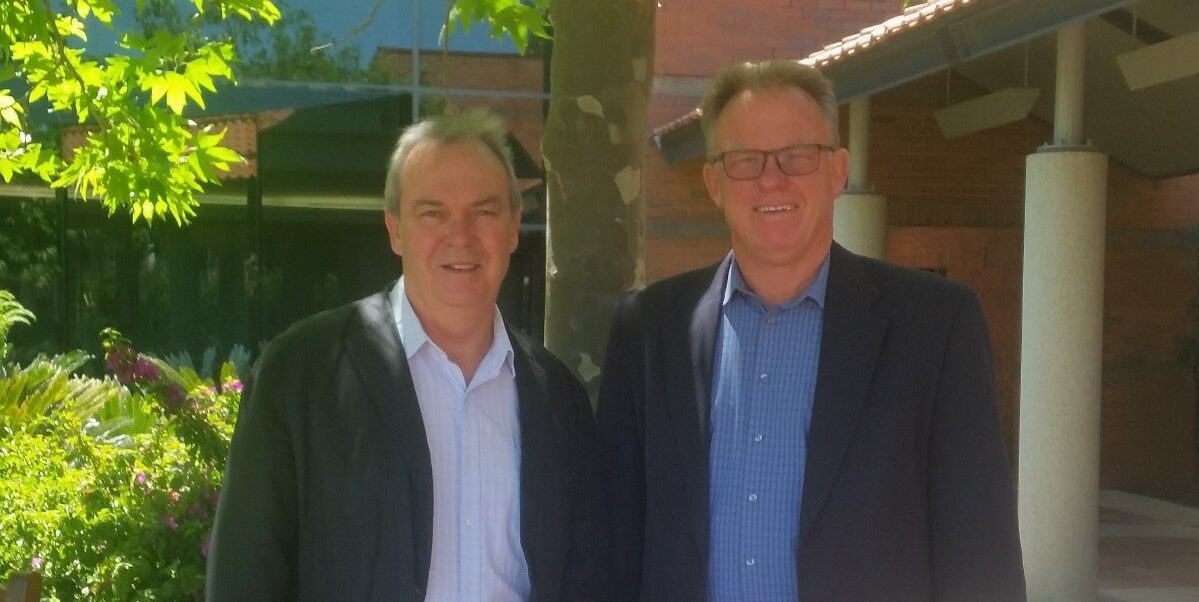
{"points": [[764, 383], [474, 445]]}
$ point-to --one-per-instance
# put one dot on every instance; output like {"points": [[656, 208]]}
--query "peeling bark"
{"points": [[594, 150]]}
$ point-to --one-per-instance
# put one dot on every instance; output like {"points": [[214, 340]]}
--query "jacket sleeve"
{"points": [[586, 567], [252, 554], [975, 541], [620, 420]]}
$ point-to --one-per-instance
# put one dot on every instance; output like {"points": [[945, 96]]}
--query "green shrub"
{"points": [[108, 486]]}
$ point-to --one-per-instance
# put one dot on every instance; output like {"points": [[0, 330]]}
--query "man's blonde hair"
{"points": [[758, 75]]}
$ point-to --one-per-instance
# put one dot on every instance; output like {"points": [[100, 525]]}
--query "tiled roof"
{"points": [[913, 16]]}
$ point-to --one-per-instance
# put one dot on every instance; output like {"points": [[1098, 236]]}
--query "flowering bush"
{"points": [[115, 502]]}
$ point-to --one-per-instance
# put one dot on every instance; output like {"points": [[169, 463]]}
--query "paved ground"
{"points": [[1148, 550]]}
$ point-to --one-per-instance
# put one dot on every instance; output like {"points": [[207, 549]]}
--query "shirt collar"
{"points": [[413, 336], [735, 283]]}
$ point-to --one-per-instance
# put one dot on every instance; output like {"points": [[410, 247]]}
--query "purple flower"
{"points": [[171, 523], [144, 369], [175, 396], [207, 542], [113, 360], [197, 510], [233, 385], [36, 563], [140, 479]]}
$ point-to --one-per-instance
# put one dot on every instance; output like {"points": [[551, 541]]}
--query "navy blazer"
{"points": [[328, 493], [907, 494]]}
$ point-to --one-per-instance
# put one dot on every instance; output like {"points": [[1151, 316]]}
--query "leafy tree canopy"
{"points": [[140, 154]]}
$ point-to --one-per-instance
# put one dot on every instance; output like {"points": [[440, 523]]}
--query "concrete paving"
{"points": [[1148, 549]]}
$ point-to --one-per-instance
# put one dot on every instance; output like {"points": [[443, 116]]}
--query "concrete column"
{"points": [[1071, 67], [1061, 355], [1061, 360], [859, 215]]}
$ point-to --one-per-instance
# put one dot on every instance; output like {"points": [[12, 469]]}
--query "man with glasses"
{"points": [[799, 422]]}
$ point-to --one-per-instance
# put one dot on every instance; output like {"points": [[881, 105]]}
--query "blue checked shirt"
{"points": [[765, 379]]}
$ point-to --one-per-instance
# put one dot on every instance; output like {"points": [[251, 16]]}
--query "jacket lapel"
{"points": [[537, 424], [690, 395], [375, 349], [850, 344]]}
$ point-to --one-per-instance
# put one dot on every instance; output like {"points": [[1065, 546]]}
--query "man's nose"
{"points": [[460, 228], [772, 173]]}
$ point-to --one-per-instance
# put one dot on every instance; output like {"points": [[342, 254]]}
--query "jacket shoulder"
{"points": [[674, 292]]}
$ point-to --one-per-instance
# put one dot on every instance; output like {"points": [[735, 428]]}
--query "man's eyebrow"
{"points": [[490, 200], [427, 203]]}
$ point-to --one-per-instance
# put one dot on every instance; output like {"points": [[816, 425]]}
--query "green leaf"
{"points": [[177, 91]]}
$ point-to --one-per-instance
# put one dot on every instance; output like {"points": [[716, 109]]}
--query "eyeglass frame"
{"points": [[767, 154]]}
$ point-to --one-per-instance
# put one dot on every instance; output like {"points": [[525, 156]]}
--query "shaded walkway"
{"points": [[1148, 549]]}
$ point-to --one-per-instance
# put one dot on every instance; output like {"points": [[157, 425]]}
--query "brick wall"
{"points": [[698, 37]]}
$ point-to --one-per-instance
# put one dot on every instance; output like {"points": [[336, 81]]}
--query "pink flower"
{"points": [[171, 523], [232, 385], [36, 563], [140, 479], [175, 396], [145, 369], [174, 495]]}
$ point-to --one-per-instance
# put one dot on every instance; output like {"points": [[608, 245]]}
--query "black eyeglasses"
{"points": [[794, 160]]}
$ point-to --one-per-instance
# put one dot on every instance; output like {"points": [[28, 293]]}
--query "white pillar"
{"points": [[1061, 362], [1071, 67], [859, 215], [860, 223], [859, 143], [1061, 355]]}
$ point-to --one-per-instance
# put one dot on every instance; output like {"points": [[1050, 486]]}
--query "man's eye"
{"points": [[797, 153], [742, 158]]}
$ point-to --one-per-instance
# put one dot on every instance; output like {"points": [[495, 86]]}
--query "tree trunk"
{"points": [[594, 151]]}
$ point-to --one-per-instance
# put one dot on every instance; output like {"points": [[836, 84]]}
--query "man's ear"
{"points": [[394, 237], [712, 183], [515, 241], [840, 165]]}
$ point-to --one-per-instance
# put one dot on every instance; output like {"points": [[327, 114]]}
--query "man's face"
{"points": [[455, 229], [776, 220]]}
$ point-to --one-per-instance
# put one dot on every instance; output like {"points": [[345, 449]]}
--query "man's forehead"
{"points": [[466, 156], [746, 108]]}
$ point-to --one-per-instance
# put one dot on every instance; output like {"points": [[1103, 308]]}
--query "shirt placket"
{"points": [[751, 442], [470, 519]]}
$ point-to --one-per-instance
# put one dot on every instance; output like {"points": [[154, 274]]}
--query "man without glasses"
{"points": [[410, 446]]}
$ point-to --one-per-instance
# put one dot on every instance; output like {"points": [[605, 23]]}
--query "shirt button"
{"points": [[753, 497], [762, 377], [749, 561], [758, 438], [770, 319], [470, 523]]}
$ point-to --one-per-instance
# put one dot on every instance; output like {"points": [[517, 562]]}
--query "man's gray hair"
{"points": [[472, 124], [758, 75]]}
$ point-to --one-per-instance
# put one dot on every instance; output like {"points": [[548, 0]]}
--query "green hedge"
{"points": [[108, 485]]}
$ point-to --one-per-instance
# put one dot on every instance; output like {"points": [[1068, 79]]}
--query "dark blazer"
{"points": [[907, 494], [328, 493]]}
